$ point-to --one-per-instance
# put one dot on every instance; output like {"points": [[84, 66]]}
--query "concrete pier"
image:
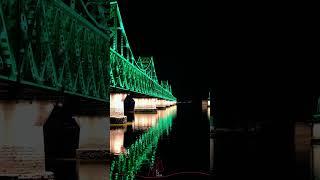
{"points": [[21, 138], [161, 104], [145, 105], [316, 131], [316, 128], [117, 108], [204, 104], [94, 140]]}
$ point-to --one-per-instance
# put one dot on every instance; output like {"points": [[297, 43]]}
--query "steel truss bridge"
{"points": [[78, 47]]}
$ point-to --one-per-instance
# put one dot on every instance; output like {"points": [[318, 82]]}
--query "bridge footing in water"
{"points": [[118, 120], [94, 141]]}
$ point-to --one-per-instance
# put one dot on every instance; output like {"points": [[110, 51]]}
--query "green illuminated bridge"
{"points": [[78, 47], [66, 73]]}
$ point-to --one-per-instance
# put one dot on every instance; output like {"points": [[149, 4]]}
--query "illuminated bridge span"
{"points": [[70, 59], [50, 45], [130, 74]]}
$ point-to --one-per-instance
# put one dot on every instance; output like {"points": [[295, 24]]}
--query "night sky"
{"points": [[251, 55], [177, 35]]}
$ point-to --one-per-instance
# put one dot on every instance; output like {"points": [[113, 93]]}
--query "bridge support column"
{"points": [[316, 131], [204, 105], [316, 128], [167, 103], [21, 138], [145, 105], [117, 108], [171, 103], [94, 140], [161, 104]]}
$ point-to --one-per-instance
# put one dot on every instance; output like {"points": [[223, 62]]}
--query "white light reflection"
{"points": [[117, 140], [144, 121]]}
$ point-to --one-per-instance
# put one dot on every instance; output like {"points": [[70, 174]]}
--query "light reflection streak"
{"points": [[126, 165]]}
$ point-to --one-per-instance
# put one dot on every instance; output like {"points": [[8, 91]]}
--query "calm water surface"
{"points": [[176, 144], [168, 144]]}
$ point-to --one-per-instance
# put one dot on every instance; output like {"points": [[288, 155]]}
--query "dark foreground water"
{"points": [[176, 144]]}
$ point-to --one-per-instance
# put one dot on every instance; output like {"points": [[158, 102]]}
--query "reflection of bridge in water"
{"points": [[142, 149], [140, 124]]}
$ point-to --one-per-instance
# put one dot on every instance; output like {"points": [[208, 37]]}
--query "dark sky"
{"points": [[245, 52], [177, 35]]}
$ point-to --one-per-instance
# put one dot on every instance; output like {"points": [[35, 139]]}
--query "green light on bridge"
{"points": [[69, 47]]}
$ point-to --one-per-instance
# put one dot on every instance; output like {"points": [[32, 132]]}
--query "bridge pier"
{"points": [[316, 132], [94, 140], [77, 133], [161, 104], [316, 127], [172, 103], [117, 108], [205, 105], [21, 138], [145, 105]]}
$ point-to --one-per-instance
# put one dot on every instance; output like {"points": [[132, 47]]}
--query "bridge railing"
{"points": [[124, 75]]}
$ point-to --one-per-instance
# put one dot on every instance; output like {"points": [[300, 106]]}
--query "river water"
{"points": [[163, 145], [176, 143]]}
